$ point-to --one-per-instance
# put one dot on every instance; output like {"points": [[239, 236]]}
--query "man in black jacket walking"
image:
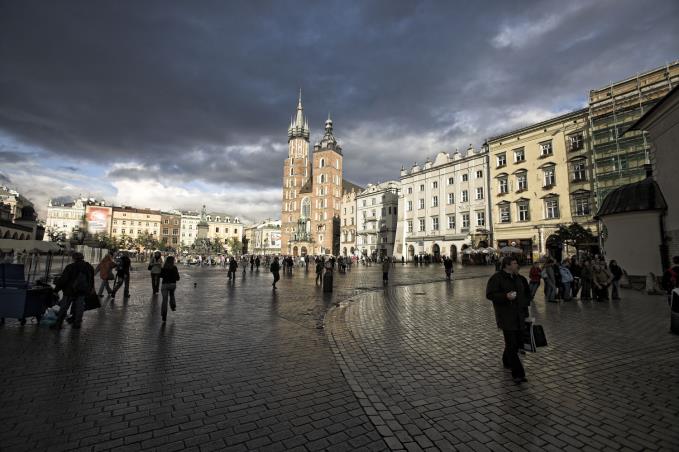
{"points": [[76, 282], [510, 295]]}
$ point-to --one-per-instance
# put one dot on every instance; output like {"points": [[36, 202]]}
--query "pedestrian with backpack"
{"points": [[170, 275], [155, 267], [76, 282]]}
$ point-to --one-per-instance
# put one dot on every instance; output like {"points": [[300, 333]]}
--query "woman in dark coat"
{"points": [[170, 275]]}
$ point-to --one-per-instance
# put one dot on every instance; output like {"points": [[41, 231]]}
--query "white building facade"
{"points": [[189, 227], [64, 218], [266, 237], [377, 218], [444, 206]]}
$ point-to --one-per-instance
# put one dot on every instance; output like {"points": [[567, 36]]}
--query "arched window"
{"points": [[306, 208], [321, 163], [322, 179], [291, 171]]}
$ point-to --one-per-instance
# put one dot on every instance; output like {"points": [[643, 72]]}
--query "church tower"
{"points": [[327, 186], [295, 225]]}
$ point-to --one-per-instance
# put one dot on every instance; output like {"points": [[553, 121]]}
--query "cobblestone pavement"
{"points": [[241, 367], [425, 364]]}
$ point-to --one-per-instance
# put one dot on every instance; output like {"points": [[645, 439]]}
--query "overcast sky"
{"points": [[177, 104]]}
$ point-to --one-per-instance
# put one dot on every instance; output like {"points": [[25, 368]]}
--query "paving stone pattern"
{"points": [[241, 367], [425, 364]]}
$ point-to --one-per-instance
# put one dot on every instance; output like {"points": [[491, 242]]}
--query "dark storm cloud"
{"points": [[12, 157], [204, 90]]}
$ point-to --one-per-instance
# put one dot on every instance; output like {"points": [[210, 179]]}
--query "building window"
{"points": [[519, 155], [451, 180], [465, 221], [501, 160], [451, 198], [410, 190], [435, 201], [321, 163], [421, 187], [365, 203], [505, 216], [523, 211], [575, 142], [435, 184], [479, 174], [122, 231], [581, 205], [421, 225], [503, 185], [465, 177], [551, 208], [480, 218], [549, 174], [410, 206], [372, 202], [479, 193], [165, 231], [546, 148], [410, 225], [421, 203], [434, 223], [465, 196], [217, 230], [451, 221], [579, 171], [522, 181]]}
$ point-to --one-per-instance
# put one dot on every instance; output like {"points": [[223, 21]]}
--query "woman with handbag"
{"points": [[170, 276]]}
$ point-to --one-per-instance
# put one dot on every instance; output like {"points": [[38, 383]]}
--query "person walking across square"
{"points": [[170, 275], [510, 295], [155, 267], [105, 269], [275, 269]]}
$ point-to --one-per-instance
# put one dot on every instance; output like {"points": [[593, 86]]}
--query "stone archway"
{"points": [[295, 251], [554, 247], [411, 252], [353, 250], [436, 251], [303, 251], [453, 253]]}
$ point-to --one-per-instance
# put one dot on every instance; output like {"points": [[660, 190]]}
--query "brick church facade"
{"points": [[312, 191]]}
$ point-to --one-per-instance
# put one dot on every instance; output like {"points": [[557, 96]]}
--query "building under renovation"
{"points": [[619, 157]]}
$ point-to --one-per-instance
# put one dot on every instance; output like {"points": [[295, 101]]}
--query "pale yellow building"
{"points": [[133, 222], [223, 227], [540, 178]]}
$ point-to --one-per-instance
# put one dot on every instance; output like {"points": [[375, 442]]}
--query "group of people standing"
{"points": [[589, 277]]}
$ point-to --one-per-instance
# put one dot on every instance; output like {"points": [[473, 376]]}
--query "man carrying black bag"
{"points": [[510, 295], [76, 282]]}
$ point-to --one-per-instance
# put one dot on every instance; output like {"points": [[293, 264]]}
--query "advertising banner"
{"points": [[98, 219], [275, 239]]}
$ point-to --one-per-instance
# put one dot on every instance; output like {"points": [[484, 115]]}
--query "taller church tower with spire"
{"points": [[312, 190]]}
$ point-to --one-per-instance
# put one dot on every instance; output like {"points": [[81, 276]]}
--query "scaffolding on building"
{"points": [[618, 156]]}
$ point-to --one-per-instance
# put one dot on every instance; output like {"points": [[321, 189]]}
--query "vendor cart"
{"points": [[24, 287]]}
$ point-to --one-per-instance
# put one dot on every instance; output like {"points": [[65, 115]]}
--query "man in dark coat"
{"points": [[76, 282], [275, 268], [510, 295]]}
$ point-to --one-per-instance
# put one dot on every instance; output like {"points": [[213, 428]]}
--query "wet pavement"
{"points": [[414, 366]]}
